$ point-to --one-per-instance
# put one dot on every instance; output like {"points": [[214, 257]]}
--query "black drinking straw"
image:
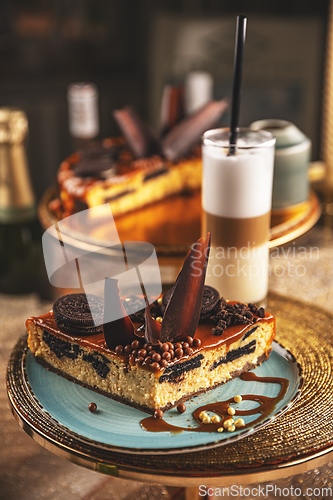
{"points": [[237, 83]]}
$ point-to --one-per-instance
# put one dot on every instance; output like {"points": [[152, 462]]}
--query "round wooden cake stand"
{"points": [[297, 441], [174, 224]]}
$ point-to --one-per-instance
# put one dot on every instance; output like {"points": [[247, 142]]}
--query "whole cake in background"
{"points": [[142, 166], [187, 342]]}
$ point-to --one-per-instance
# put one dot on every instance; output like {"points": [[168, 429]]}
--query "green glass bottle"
{"points": [[22, 267]]}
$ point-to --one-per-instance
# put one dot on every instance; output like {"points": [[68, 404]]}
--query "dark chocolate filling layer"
{"points": [[248, 333], [61, 347], [235, 353], [172, 373], [156, 173], [119, 195], [98, 362]]}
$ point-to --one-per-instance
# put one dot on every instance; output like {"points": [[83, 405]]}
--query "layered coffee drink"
{"points": [[236, 202]]}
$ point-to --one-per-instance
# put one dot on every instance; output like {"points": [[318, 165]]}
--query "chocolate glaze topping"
{"points": [[143, 355]]}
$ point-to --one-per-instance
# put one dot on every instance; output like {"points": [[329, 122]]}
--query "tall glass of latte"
{"points": [[236, 201]]}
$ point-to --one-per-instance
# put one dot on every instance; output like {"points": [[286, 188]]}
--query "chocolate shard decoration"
{"points": [[121, 330], [139, 135], [182, 313], [182, 137], [152, 327], [172, 108]]}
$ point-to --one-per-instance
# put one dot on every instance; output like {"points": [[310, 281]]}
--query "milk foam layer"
{"points": [[240, 185]]}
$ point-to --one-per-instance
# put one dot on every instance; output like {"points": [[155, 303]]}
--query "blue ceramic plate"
{"points": [[118, 426]]}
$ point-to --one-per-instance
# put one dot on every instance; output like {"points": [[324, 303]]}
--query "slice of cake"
{"points": [[154, 360], [128, 183], [139, 168]]}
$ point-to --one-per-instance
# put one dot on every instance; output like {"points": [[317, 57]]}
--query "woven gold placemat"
{"points": [[306, 428]]}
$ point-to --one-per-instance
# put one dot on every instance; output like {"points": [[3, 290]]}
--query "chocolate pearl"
{"points": [[185, 345], [119, 349], [139, 360], [166, 356], [131, 360], [152, 352], [142, 353], [135, 344], [181, 408], [178, 353], [158, 414], [128, 349], [164, 347], [170, 344], [188, 351], [92, 407], [155, 366], [172, 353], [148, 360], [189, 340], [196, 342], [134, 353], [156, 357], [149, 348], [163, 363], [178, 345]]}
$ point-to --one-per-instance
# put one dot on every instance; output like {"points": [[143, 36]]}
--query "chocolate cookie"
{"points": [[209, 302], [94, 168], [72, 313], [96, 161]]}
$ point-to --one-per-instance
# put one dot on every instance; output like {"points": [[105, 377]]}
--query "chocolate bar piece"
{"points": [[139, 135], [189, 131], [172, 108]]}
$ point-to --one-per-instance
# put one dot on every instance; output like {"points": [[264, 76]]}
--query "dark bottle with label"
{"points": [[22, 268]]}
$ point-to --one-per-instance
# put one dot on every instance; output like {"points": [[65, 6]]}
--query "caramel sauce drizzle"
{"points": [[266, 406], [204, 333]]}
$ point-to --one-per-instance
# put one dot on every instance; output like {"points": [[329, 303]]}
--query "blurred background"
{"points": [[130, 49]]}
